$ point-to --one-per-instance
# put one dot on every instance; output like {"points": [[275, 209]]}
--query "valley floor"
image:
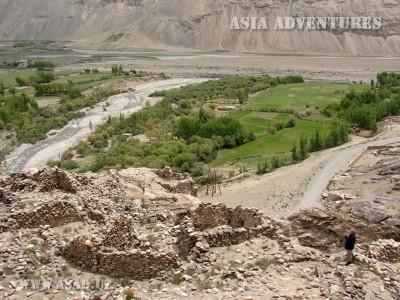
{"points": [[281, 192]]}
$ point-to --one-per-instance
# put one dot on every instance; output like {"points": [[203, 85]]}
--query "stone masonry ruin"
{"points": [[136, 264], [211, 225]]}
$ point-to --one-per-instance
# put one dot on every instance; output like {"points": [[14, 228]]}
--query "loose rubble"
{"points": [[144, 232]]}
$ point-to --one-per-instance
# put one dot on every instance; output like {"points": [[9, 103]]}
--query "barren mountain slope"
{"points": [[201, 24]]}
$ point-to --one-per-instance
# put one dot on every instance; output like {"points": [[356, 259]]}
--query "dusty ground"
{"points": [[279, 193], [320, 68]]}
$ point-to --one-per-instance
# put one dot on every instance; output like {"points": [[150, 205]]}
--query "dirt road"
{"points": [[297, 186], [336, 163]]}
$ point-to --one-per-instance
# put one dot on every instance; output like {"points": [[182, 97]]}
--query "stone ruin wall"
{"points": [[138, 265], [52, 214], [216, 226], [184, 183], [382, 250]]}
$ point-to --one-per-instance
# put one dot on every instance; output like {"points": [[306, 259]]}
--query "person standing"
{"points": [[350, 242]]}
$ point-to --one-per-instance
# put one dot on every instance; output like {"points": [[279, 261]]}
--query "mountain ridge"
{"points": [[201, 25]]}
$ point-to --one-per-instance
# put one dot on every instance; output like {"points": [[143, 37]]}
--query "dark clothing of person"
{"points": [[350, 242]]}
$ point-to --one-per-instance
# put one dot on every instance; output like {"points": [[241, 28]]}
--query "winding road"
{"points": [[36, 156], [336, 163]]}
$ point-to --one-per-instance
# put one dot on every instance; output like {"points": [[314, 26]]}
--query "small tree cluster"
{"points": [[117, 70]]}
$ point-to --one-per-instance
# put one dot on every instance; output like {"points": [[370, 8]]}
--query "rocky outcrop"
{"points": [[326, 228]]}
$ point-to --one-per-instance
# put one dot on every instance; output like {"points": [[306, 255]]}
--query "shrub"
{"points": [[40, 64], [21, 82], [69, 165], [53, 163], [177, 279], [263, 263], [129, 294]]}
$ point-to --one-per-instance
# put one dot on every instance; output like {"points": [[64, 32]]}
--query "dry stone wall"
{"points": [[119, 234], [382, 250], [136, 264], [47, 180], [52, 214], [7, 197], [216, 226], [181, 183]]}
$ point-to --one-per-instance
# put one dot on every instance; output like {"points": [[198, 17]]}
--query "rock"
{"points": [[334, 289], [314, 225], [334, 196], [13, 284], [366, 210]]}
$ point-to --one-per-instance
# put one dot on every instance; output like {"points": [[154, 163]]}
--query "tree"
{"points": [[242, 96], [81, 148], [117, 70], [295, 154], [372, 84], [316, 142], [12, 90], [2, 88], [114, 70], [251, 136], [303, 148], [204, 116]]}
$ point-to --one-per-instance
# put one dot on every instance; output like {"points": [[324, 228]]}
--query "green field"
{"points": [[259, 122], [304, 99], [268, 145], [82, 81]]}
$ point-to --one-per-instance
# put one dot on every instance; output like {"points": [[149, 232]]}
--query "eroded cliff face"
{"points": [[203, 24]]}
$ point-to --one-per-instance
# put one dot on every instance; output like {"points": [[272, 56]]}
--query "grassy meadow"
{"points": [[267, 108]]}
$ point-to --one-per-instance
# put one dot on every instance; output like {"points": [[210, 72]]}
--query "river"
{"points": [[35, 156]]}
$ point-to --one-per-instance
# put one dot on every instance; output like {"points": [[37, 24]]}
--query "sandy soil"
{"points": [[289, 188], [323, 68]]}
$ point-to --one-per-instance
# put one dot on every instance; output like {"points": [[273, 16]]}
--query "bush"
{"points": [[40, 64], [263, 263], [177, 279], [251, 136], [185, 158], [53, 163], [69, 165], [129, 294]]}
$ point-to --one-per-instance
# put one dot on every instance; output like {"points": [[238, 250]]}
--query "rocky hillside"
{"points": [[143, 233], [201, 24]]}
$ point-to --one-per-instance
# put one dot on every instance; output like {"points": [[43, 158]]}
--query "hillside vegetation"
{"points": [[187, 131], [32, 103]]}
